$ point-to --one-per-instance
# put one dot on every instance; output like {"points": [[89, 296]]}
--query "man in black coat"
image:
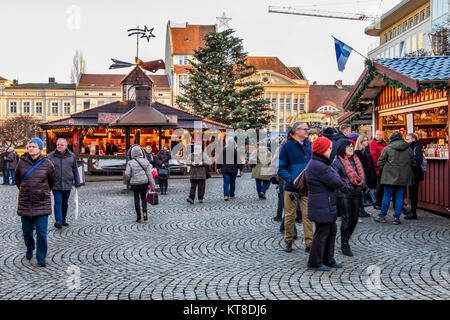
{"points": [[344, 133], [418, 176], [228, 165], [67, 175], [3, 160]]}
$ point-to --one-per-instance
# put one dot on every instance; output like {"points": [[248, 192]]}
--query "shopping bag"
{"points": [[75, 198], [162, 172], [151, 196]]}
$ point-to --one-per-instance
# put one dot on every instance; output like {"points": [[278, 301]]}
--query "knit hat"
{"points": [[353, 136], [321, 145], [38, 142]]}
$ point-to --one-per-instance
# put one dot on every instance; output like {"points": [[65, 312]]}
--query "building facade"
{"points": [[403, 30]]}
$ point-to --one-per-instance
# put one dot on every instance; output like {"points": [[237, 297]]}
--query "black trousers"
{"points": [[414, 196], [322, 246], [379, 191], [201, 184], [163, 183], [140, 193], [349, 209]]}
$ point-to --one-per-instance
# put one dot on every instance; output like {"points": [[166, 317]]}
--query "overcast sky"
{"points": [[39, 38]]}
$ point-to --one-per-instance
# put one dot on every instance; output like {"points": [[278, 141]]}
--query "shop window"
{"points": [[13, 107], [38, 107]]}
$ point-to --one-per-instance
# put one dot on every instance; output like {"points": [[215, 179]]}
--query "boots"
{"points": [[363, 213], [145, 216], [345, 247], [138, 220], [411, 215]]}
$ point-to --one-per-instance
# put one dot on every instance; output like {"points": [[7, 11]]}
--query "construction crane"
{"points": [[321, 13]]}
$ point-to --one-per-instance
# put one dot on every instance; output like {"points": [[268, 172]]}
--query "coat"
{"points": [[396, 164], [322, 182], [375, 150], [66, 170], [34, 192], [163, 158], [354, 191], [369, 167], [262, 169], [293, 160], [418, 176], [12, 160], [134, 171], [3, 161], [226, 167]]}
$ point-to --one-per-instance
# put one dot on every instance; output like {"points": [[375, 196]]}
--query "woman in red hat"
{"points": [[322, 182]]}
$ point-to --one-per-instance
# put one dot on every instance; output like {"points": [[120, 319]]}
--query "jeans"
{"points": [[11, 174], [40, 224], [389, 191], [262, 186], [5, 176], [229, 184], [61, 205]]}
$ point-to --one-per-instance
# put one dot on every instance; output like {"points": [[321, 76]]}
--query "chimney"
{"points": [[143, 96], [338, 84], [51, 80], [15, 82]]}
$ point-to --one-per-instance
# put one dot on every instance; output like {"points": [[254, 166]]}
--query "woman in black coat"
{"points": [[348, 166], [415, 145], [163, 157], [322, 182]]}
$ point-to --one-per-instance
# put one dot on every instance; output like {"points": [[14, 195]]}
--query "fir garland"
{"points": [[98, 157]]}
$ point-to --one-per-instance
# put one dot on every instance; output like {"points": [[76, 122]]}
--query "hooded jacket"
{"points": [[34, 191], [66, 170], [293, 160], [396, 164], [134, 172]]}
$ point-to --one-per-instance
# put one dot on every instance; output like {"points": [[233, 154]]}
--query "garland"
{"points": [[97, 157], [355, 106]]}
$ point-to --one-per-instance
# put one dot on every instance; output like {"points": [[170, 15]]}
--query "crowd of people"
{"points": [[335, 172]]}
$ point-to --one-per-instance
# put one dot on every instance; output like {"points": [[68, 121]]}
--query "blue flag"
{"points": [[342, 53]]}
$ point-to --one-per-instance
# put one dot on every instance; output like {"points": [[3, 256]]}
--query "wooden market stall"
{"points": [[411, 95]]}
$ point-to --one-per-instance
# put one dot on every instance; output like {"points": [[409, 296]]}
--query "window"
{"points": [[302, 104], [113, 94], [282, 103], [390, 35], [402, 49], [38, 107], [420, 41], [427, 12], [410, 23], [395, 32], [405, 26], [288, 104], [296, 104], [182, 79], [385, 38], [66, 107], [100, 102], [416, 19], [86, 93], [26, 107], [274, 103], [399, 29], [55, 108], [13, 107], [100, 94], [86, 104], [414, 43], [422, 15], [183, 60]]}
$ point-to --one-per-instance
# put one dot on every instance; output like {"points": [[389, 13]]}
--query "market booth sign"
{"points": [[310, 118]]}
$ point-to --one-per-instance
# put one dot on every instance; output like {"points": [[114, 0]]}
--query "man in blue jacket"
{"points": [[294, 156]]}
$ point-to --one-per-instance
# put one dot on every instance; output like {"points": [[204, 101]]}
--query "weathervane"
{"points": [[223, 22], [151, 66]]}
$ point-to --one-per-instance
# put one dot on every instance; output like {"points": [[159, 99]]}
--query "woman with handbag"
{"points": [[163, 157], [362, 151], [348, 166], [151, 157], [198, 174], [139, 174]]}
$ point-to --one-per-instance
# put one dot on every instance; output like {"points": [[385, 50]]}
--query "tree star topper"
{"points": [[145, 33], [223, 22]]}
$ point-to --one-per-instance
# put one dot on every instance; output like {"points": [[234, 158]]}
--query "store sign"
{"points": [[108, 117], [310, 118]]}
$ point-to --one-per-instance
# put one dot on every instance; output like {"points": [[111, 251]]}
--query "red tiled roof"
{"points": [[320, 95], [186, 40], [274, 64], [100, 80], [160, 81]]}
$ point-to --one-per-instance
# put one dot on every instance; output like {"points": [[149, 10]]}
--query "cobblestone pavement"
{"points": [[214, 250]]}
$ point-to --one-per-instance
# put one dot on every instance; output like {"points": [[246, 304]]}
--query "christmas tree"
{"points": [[219, 86]]}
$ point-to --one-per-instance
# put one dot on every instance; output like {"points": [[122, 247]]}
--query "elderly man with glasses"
{"points": [[294, 156], [66, 176]]}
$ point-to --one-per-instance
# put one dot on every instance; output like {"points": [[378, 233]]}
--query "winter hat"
{"points": [[328, 132], [321, 145], [38, 142], [353, 136]]}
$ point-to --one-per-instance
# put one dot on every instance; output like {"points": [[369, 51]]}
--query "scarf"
{"points": [[356, 177]]}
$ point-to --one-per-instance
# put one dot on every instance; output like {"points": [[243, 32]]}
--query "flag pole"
{"points": [[352, 48]]}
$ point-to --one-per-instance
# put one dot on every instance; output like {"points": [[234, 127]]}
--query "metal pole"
{"points": [[137, 44]]}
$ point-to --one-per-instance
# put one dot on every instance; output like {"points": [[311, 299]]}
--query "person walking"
{"points": [[163, 157], [348, 166], [376, 147], [396, 165], [261, 170], [417, 175], [362, 151], [294, 156], [138, 173], [228, 165], [153, 159], [198, 175], [67, 176], [11, 164], [3, 158], [322, 182], [35, 178]]}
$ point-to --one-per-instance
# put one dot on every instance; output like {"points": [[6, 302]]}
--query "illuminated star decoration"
{"points": [[223, 22], [145, 33]]}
